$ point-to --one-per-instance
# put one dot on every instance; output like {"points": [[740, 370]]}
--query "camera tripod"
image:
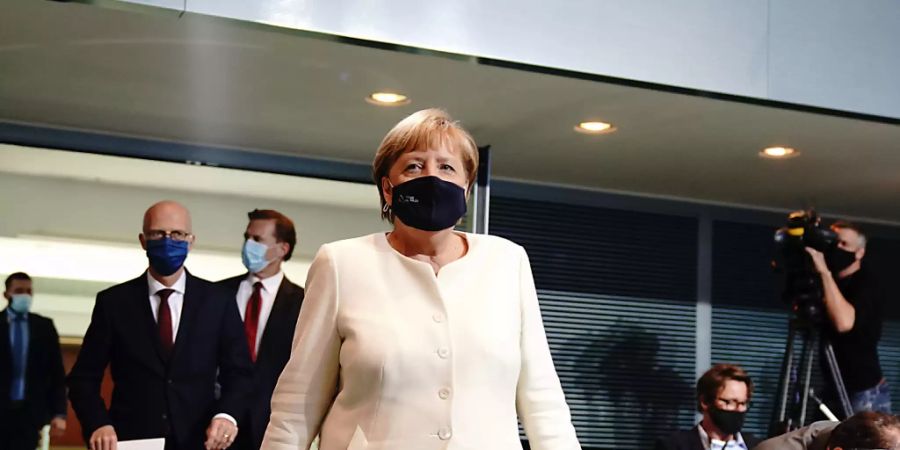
{"points": [[794, 391]]}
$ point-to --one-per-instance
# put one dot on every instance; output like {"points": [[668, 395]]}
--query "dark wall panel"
{"points": [[618, 296]]}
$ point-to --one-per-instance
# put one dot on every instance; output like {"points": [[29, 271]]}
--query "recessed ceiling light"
{"points": [[387, 99], [594, 128], [778, 152]]}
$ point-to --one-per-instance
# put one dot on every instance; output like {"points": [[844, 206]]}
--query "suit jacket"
{"points": [[274, 352], [45, 387], [154, 396], [690, 440]]}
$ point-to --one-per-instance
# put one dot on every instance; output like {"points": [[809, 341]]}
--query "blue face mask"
{"points": [[20, 303], [166, 255], [253, 255]]}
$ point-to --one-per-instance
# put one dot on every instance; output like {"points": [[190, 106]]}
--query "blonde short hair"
{"points": [[428, 128]]}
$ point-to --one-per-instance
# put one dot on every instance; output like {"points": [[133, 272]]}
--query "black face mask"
{"points": [[729, 422], [429, 203], [838, 260]]}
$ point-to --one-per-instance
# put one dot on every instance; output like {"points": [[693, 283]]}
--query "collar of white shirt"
{"points": [[270, 284], [715, 444], [155, 286]]}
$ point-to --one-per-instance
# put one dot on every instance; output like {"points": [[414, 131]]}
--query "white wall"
{"points": [[77, 237], [828, 53]]}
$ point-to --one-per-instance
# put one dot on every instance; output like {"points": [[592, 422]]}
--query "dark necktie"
{"points": [[251, 318], [19, 356], [164, 320]]}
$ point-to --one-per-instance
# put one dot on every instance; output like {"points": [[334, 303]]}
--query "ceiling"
{"points": [[221, 82]]}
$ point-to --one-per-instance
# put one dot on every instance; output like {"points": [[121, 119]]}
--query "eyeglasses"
{"points": [[175, 235]]}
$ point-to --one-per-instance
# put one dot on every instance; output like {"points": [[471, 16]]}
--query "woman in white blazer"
{"points": [[424, 337]]}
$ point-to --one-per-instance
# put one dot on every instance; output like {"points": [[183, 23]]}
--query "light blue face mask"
{"points": [[20, 303], [254, 256]]}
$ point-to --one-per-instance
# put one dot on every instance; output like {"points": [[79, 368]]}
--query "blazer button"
{"points": [[169, 381], [444, 393], [164, 416], [438, 317], [444, 434], [443, 352]]}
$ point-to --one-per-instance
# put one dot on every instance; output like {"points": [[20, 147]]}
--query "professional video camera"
{"points": [[803, 290], [802, 284]]}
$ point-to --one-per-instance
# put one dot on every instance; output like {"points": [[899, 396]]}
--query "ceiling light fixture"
{"points": [[594, 128], [778, 152], [387, 99]]}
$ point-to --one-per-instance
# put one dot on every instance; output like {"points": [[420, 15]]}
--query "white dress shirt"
{"points": [[714, 444], [387, 355], [175, 300], [267, 293]]}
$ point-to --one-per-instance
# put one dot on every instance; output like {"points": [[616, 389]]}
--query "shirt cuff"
{"points": [[226, 417]]}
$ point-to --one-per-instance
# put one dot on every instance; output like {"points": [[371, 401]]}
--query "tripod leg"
{"points": [[837, 381], [778, 423], [807, 363]]}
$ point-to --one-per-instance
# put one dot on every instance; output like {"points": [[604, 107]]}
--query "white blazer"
{"points": [[389, 356]]}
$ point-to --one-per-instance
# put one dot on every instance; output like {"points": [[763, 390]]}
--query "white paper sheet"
{"points": [[143, 444]]}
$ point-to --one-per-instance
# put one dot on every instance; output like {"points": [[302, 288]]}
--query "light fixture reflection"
{"points": [[594, 128], [778, 152], [387, 99]]}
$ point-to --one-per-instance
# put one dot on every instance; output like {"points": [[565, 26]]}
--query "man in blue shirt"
{"points": [[32, 378]]}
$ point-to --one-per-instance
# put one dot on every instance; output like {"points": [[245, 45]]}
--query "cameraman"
{"points": [[853, 303]]}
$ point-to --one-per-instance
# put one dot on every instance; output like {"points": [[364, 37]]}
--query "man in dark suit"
{"points": [[269, 304], [167, 337], [723, 395], [32, 377]]}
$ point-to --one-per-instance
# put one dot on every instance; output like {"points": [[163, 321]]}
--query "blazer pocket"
{"points": [[358, 441]]}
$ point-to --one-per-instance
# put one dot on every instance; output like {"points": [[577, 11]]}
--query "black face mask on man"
{"points": [[729, 422], [429, 203], [839, 259]]}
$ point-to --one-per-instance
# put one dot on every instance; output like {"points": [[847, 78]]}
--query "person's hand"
{"points": [[104, 438], [57, 426], [819, 260], [220, 434]]}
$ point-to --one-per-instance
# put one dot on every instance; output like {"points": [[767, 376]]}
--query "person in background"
{"points": [[32, 377], [424, 337], [723, 397], [269, 304], [854, 302], [864, 430], [167, 336]]}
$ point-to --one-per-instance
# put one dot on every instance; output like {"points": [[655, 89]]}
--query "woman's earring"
{"points": [[386, 209]]}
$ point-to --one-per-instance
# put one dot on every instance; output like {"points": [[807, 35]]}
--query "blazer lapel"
{"points": [[280, 307], [189, 310]]}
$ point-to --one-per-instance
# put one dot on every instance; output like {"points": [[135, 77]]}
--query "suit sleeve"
{"points": [[56, 397], [235, 368], [540, 401], [87, 373], [306, 387], [663, 444]]}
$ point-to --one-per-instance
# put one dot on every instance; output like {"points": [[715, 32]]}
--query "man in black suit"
{"points": [[269, 304], [167, 337], [32, 377], [723, 395]]}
